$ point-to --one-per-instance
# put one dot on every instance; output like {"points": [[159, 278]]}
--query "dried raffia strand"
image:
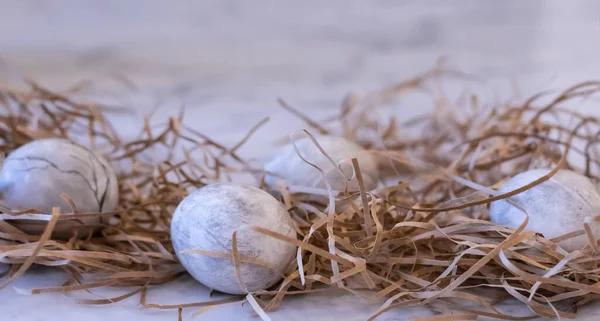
{"points": [[38, 247], [421, 242], [115, 258]]}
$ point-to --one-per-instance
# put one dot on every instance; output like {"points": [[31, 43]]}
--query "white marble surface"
{"points": [[227, 62]]}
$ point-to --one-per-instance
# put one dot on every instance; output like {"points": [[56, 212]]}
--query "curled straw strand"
{"points": [[423, 241]]}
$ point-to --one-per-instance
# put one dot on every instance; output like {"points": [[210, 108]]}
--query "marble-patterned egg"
{"points": [[555, 207], [206, 219], [286, 165], [37, 173]]}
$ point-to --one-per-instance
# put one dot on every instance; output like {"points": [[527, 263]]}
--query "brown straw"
{"points": [[422, 239]]}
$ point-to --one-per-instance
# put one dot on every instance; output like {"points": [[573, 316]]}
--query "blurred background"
{"points": [[206, 46], [228, 61]]}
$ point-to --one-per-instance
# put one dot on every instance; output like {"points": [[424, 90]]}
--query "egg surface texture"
{"points": [[206, 219], [555, 207], [288, 167], [37, 173]]}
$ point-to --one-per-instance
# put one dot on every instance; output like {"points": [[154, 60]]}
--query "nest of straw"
{"points": [[423, 239]]}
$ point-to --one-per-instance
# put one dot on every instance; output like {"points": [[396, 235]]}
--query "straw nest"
{"points": [[424, 239]]}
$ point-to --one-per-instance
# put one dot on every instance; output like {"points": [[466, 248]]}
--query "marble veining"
{"points": [[47, 168], [207, 218]]}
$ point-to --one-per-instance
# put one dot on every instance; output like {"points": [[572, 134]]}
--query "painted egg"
{"points": [[555, 207], [36, 174], [206, 219], [287, 166]]}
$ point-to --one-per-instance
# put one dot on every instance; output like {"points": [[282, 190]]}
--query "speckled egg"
{"points": [[37, 173], [206, 219]]}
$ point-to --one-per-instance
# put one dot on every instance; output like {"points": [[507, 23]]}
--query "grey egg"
{"points": [[555, 207], [37, 173], [288, 167], [206, 219]]}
